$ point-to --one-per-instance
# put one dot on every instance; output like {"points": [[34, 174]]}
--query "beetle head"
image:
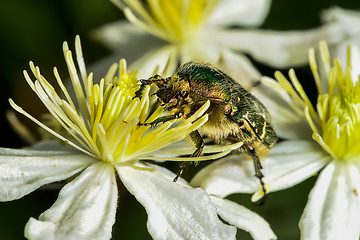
{"points": [[174, 92]]}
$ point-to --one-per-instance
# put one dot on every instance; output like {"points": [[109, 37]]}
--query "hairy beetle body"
{"points": [[234, 114]]}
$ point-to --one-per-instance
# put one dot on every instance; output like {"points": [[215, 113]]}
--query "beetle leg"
{"points": [[161, 120], [198, 141], [183, 166], [257, 165], [146, 82], [258, 173], [139, 92]]}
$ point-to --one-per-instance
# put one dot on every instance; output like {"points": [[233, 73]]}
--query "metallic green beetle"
{"points": [[234, 114]]}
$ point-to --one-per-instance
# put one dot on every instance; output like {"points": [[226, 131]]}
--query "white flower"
{"points": [[101, 125], [204, 30], [324, 137], [350, 20]]}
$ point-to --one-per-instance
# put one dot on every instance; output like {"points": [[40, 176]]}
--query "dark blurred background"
{"points": [[35, 30]]}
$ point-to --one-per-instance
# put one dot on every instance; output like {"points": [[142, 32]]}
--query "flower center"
{"points": [[336, 120], [176, 21], [102, 120], [340, 114], [112, 131]]}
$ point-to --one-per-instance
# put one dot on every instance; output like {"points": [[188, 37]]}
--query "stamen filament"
{"points": [[20, 110], [62, 87], [81, 63], [224, 150], [302, 93], [80, 96]]}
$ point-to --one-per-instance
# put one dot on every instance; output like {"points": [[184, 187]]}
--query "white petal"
{"points": [[240, 12], [127, 41], [85, 208], [350, 19], [50, 145], [287, 118], [291, 162], [23, 171], [162, 59], [243, 218], [201, 50], [239, 67], [175, 210], [278, 48], [119, 34], [355, 62], [333, 209], [287, 164], [232, 174], [101, 66], [340, 51]]}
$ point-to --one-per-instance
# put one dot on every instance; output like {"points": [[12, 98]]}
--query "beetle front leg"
{"points": [[198, 141], [145, 83], [161, 120]]}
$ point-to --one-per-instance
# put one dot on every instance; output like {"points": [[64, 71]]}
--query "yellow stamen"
{"points": [[176, 21], [336, 123], [102, 120]]}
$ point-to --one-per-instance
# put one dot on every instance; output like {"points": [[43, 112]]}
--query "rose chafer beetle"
{"points": [[235, 115]]}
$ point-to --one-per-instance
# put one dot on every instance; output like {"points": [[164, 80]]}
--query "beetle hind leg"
{"points": [[259, 175], [257, 166], [183, 166], [258, 172]]}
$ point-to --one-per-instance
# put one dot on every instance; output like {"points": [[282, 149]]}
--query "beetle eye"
{"points": [[184, 94]]}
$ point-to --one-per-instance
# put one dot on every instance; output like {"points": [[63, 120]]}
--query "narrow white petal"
{"points": [[288, 49], [243, 218], [229, 175], [117, 34], [127, 41], [85, 208], [240, 12], [175, 210], [23, 171], [50, 145], [201, 49], [291, 162], [239, 67], [355, 61], [156, 59], [333, 209], [287, 164], [350, 19], [340, 51]]}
